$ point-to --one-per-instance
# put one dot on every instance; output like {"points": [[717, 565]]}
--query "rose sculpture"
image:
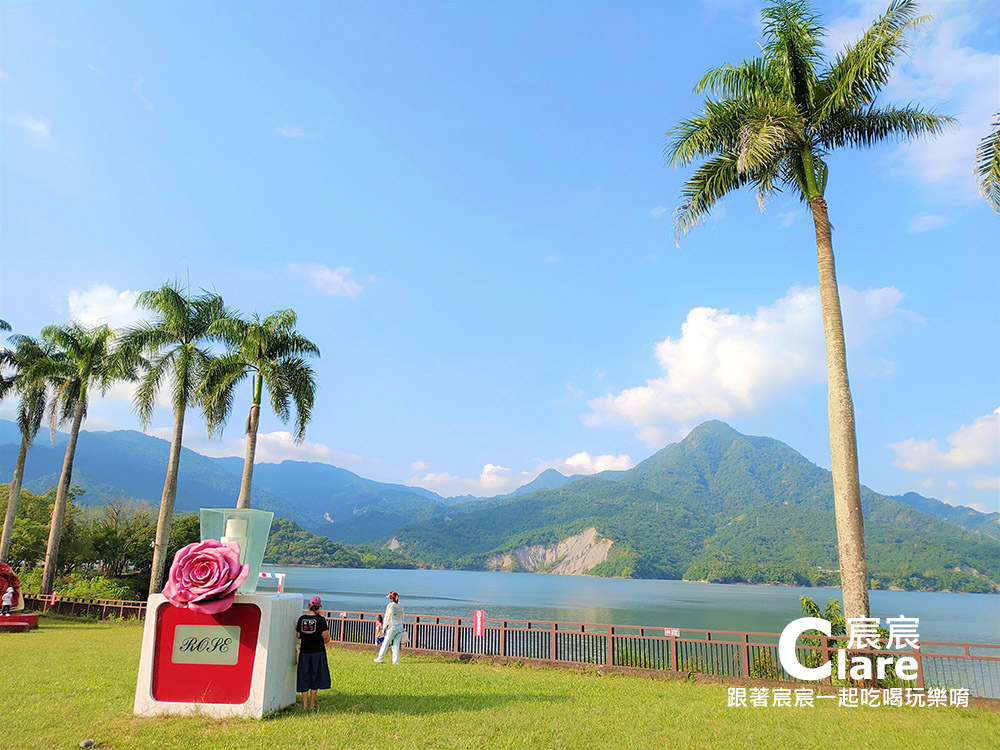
{"points": [[205, 575]]}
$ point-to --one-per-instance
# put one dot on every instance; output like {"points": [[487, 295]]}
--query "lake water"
{"points": [[971, 618]]}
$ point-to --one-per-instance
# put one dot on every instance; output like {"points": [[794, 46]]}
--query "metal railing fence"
{"points": [[725, 653]]}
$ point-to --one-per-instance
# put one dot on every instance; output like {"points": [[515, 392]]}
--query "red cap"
{"points": [[315, 602]]}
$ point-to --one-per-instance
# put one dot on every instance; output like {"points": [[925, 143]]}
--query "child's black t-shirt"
{"points": [[310, 629]]}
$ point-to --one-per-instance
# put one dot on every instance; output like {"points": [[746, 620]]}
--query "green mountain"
{"points": [[967, 518], [718, 506], [549, 479]]}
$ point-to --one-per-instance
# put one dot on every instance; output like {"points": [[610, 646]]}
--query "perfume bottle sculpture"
{"points": [[211, 643]]}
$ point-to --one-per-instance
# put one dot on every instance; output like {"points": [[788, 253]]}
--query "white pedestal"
{"points": [[213, 665]]}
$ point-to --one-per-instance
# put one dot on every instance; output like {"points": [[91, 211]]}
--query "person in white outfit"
{"points": [[393, 628]]}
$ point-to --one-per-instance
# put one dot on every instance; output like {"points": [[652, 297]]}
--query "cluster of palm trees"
{"points": [[194, 347]]}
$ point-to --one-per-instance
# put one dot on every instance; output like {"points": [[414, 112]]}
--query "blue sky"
{"points": [[468, 208]]}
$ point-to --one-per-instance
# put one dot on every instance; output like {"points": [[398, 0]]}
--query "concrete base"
{"points": [[272, 680]]}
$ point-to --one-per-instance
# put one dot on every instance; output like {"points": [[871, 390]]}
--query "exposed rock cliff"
{"points": [[573, 556]]}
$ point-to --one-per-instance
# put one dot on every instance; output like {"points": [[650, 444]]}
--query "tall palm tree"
{"points": [[772, 121], [273, 353], [170, 350], [30, 411], [988, 165], [83, 359]]}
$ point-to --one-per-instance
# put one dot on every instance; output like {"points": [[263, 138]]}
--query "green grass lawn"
{"points": [[75, 679]]}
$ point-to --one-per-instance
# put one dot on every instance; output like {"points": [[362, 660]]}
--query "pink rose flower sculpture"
{"points": [[205, 575]]}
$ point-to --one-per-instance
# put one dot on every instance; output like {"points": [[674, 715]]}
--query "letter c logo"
{"points": [[786, 649]]}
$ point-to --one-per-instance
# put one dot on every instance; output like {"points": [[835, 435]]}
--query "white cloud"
{"points": [[103, 305], [927, 222], [787, 218], [944, 71], [334, 282], [272, 447], [418, 466], [38, 127], [498, 480], [658, 211], [552, 258], [928, 483], [290, 131], [987, 483], [975, 444], [137, 84], [584, 463], [573, 392], [725, 363]]}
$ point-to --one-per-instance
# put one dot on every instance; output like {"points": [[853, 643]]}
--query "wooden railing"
{"points": [[100, 608], [725, 653]]}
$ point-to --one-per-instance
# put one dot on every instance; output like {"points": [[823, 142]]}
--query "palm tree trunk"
{"points": [[62, 497], [13, 498], [166, 517], [252, 422], [843, 440]]}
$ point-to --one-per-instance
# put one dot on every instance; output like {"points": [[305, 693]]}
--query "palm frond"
{"points": [[216, 391], [715, 131], [793, 40], [710, 182], [872, 126], [745, 81], [301, 382], [987, 168], [156, 370], [765, 134], [860, 71]]}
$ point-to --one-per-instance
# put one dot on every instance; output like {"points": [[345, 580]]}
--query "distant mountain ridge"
{"points": [[322, 498], [717, 506]]}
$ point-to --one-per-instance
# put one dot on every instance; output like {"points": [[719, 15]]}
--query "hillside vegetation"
{"points": [[722, 507]]}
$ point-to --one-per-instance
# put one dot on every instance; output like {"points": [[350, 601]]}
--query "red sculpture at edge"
{"points": [[9, 578]]}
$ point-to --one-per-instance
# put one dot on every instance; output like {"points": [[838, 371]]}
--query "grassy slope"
{"points": [[75, 679]]}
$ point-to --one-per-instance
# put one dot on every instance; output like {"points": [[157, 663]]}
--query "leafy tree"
{"points": [[121, 535], [82, 359], [31, 530], [170, 348], [30, 410], [773, 121], [988, 165], [273, 353]]}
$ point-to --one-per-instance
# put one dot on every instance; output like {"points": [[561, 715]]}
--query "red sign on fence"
{"points": [[672, 632], [479, 618]]}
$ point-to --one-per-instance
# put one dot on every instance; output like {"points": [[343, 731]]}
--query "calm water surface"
{"points": [[972, 618]]}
